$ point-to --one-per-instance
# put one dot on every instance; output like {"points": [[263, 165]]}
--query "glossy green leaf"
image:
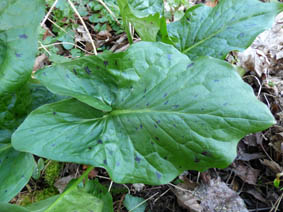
{"points": [[5, 207], [15, 171], [145, 15], [168, 114], [101, 192], [231, 25], [16, 168], [134, 204], [19, 24], [75, 200]]}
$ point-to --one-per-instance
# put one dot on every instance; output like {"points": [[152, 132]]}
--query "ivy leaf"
{"points": [[16, 170], [145, 15], [19, 25], [231, 25], [168, 114]]}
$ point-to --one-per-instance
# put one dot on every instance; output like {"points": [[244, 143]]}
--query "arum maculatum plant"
{"points": [[167, 104]]}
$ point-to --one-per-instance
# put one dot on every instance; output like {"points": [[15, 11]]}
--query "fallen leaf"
{"points": [[272, 165], [247, 174], [215, 196]]}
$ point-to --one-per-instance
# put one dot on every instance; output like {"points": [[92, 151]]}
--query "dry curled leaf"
{"points": [[247, 174], [272, 165]]}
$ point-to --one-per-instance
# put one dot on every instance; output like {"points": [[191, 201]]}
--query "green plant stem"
{"points": [[73, 186], [127, 29]]}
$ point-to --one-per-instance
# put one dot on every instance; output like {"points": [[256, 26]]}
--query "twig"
{"points": [[63, 30], [47, 15], [61, 43], [258, 81], [44, 47], [83, 23], [161, 195], [110, 186], [138, 205], [108, 9]]}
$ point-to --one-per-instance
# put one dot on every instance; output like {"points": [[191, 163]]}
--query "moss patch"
{"points": [[52, 172]]}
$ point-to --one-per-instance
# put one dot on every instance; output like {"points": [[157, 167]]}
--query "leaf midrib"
{"points": [[219, 31]]}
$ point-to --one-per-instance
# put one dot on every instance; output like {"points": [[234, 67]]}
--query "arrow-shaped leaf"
{"points": [[166, 114], [19, 23], [231, 25]]}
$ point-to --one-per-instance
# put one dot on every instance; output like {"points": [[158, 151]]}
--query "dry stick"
{"points": [[108, 9], [44, 47], [138, 205], [110, 186], [276, 204], [63, 30], [83, 23], [47, 15], [69, 43], [161, 195]]}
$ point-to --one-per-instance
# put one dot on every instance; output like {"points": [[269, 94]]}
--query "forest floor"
{"points": [[251, 179]]}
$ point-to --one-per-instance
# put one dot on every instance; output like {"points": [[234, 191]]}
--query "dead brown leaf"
{"points": [[275, 167], [247, 174]]}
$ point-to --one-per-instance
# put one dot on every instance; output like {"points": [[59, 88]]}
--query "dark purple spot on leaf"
{"points": [[145, 90], [188, 19], [176, 106], [166, 102], [23, 176], [155, 125], [169, 56], [137, 128], [87, 70], [166, 94], [75, 72], [216, 80], [99, 141], [23, 36], [158, 175], [105, 63], [116, 63], [105, 162], [54, 113], [147, 104], [137, 159], [175, 125], [205, 153], [90, 148], [6, 191], [196, 160], [158, 121], [53, 145], [0, 161], [190, 65], [202, 109], [118, 164], [156, 138], [18, 55], [242, 34], [165, 158], [152, 143], [141, 126]]}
